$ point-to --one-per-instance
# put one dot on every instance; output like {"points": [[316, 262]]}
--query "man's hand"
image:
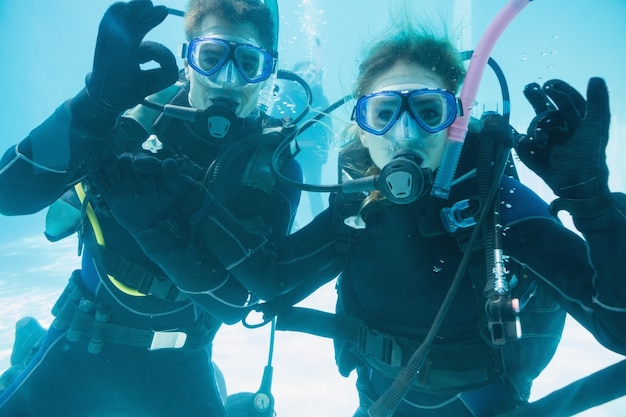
{"points": [[117, 81], [141, 190]]}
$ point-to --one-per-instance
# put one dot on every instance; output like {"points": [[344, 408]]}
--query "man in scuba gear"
{"points": [[126, 340], [512, 264]]}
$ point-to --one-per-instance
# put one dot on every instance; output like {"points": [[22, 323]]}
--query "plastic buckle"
{"points": [[168, 340], [453, 217], [380, 346]]}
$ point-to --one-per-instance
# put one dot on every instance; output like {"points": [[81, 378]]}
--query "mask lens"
{"points": [[254, 63], [208, 55], [433, 110], [376, 113]]}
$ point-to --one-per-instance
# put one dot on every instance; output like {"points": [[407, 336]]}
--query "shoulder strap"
{"points": [[258, 173], [146, 116]]}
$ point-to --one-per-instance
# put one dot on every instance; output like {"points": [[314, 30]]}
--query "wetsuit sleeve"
{"points": [[195, 272], [202, 271], [225, 252], [605, 235], [39, 169], [578, 271], [300, 263]]}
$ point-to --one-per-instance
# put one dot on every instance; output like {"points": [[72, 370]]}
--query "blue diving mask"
{"points": [[433, 109], [207, 55]]}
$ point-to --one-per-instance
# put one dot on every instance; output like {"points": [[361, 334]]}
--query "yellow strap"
{"points": [[95, 225]]}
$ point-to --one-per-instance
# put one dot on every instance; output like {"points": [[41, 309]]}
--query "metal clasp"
{"points": [[503, 319]]}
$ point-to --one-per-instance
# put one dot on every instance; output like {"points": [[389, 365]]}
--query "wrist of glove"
{"points": [[586, 208], [90, 116], [565, 143]]}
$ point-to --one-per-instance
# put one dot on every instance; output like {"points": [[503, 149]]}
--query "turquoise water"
{"points": [[47, 48]]}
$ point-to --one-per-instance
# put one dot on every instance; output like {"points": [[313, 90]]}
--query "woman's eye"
{"points": [[430, 115], [384, 115]]}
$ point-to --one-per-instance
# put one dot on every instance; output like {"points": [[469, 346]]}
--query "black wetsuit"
{"points": [[396, 271], [126, 341]]}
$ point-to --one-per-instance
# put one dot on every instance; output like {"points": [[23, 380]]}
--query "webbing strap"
{"points": [[76, 312], [136, 276], [386, 348]]}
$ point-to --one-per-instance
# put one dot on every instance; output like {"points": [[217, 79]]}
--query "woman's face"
{"points": [[227, 83], [406, 134]]}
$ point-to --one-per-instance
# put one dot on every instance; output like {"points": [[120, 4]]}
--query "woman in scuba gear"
{"points": [[126, 340], [399, 252]]}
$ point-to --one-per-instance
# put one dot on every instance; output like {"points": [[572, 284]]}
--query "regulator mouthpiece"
{"points": [[220, 117], [402, 181]]}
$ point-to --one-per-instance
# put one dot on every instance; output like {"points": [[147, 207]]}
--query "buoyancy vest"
{"points": [[66, 215], [469, 359]]}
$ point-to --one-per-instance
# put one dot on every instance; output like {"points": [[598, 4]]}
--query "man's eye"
{"points": [[209, 60], [249, 65]]}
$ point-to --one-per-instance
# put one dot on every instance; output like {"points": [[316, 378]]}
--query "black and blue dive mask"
{"points": [[208, 55], [433, 109]]}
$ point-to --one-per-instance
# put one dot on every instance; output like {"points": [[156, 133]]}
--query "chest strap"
{"points": [[392, 351]]}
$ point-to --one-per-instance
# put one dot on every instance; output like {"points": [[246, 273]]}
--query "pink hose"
{"points": [[458, 129]]}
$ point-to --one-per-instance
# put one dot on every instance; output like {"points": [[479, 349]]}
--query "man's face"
{"points": [[227, 83]]}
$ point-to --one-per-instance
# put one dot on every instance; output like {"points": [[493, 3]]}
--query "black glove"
{"points": [[566, 142], [117, 81], [141, 190]]}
